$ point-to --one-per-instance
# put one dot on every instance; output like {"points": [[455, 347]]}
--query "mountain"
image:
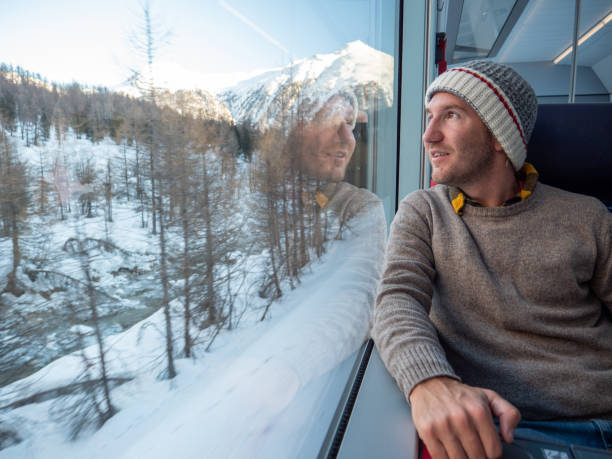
{"points": [[273, 97], [269, 97], [198, 103]]}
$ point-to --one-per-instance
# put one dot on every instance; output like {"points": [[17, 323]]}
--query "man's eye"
{"points": [[452, 115]]}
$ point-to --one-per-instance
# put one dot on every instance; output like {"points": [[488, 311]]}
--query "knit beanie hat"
{"points": [[505, 102]]}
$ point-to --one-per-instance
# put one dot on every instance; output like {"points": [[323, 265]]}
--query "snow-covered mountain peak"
{"points": [[357, 47], [277, 94], [198, 103]]}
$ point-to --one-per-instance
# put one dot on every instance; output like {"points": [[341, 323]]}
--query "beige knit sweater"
{"points": [[517, 299]]}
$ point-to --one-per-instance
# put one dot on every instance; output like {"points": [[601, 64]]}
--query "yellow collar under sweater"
{"points": [[527, 175]]}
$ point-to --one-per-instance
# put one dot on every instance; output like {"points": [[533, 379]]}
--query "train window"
{"points": [[193, 208], [480, 25], [536, 39]]}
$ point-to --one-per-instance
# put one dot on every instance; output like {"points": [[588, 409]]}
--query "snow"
{"points": [[82, 329], [267, 389], [356, 65], [195, 102], [264, 389]]}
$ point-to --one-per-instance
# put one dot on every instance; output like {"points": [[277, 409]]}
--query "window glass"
{"points": [[191, 221], [479, 26], [540, 48], [594, 55], [536, 38]]}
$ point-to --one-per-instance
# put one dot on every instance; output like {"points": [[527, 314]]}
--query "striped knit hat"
{"points": [[505, 102]]}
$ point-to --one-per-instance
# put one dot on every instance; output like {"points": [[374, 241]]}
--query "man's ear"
{"points": [[362, 117], [497, 146]]}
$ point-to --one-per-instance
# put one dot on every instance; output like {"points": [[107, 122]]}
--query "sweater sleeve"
{"points": [[405, 336], [601, 283]]}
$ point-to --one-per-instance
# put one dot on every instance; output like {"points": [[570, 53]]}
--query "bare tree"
{"points": [[108, 192], [8, 100], [87, 175], [147, 40], [179, 163], [62, 185], [98, 388], [43, 187], [287, 213], [267, 173], [14, 201]]}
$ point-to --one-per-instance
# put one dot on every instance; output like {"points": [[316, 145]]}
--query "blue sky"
{"points": [[88, 41]]}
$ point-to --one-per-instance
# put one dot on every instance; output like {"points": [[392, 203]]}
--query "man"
{"points": [[321, 146], [325, 144], [496, 297]]}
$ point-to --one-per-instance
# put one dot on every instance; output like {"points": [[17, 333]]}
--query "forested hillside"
{"points": [[113, 207]]}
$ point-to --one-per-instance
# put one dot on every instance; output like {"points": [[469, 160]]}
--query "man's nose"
{"points": [[432, 132], [345, 133]]}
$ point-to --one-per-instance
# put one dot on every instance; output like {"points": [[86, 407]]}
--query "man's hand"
{"points": [[456, 421]]}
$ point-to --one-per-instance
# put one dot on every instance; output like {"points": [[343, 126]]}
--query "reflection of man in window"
{"points": [[290, 368], [326, 144], [322, 145]]}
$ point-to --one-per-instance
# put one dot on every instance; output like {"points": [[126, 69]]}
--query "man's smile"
{"points": [[336, 154]]}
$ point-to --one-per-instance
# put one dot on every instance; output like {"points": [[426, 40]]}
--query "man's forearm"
{"points": [[404, 334]]}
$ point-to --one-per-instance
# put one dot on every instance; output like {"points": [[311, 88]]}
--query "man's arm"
{"points": [[453, 419], [601, 284], [405, 336]]}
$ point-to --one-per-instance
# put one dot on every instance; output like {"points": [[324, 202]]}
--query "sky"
{"points": [[210, 43]]}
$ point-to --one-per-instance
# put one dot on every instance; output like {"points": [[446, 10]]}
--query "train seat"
{"points": [[571, 148]]}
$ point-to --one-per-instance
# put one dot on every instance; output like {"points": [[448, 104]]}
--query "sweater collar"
{"points": [[322, 194], [527, 176]]}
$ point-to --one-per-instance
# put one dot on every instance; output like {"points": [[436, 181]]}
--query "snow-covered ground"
{"points": [[38, 326], [266, 389]]}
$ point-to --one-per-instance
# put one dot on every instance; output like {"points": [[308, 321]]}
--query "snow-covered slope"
{"points": [[198, 103], [267, 389], [365, 70]]}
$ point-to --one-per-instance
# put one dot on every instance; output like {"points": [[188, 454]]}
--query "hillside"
{"points": [[262, 100], [156, 274]]}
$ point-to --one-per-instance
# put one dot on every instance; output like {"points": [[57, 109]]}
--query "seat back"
{"points": [[571, 148]]}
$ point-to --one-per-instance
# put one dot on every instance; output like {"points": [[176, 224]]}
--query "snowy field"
{"points": [[43, 308], [260, 388], [265, 389]]}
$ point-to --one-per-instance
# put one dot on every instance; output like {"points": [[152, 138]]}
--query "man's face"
{"points": [[326, 144], [459, 145]]}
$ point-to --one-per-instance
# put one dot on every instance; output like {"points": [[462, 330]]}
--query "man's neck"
{"points": [[495, 189]]}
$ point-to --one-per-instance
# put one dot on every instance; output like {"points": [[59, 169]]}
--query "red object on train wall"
{"points": [[441, 52]]}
